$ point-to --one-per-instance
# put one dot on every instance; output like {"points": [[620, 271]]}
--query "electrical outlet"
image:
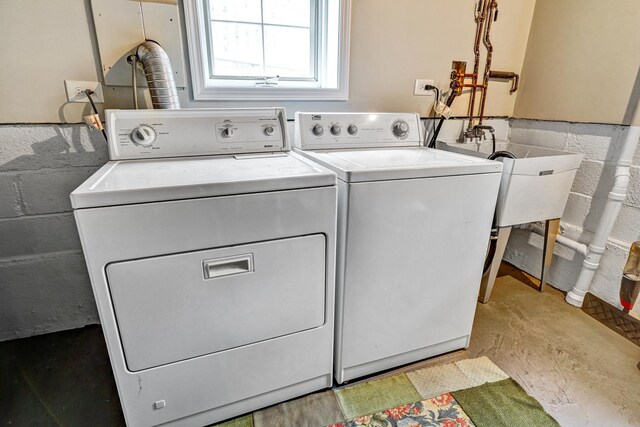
{"points": [[75, 91], [419, 90]]}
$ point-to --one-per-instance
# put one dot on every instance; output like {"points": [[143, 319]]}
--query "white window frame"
{"points": [[207, 89]]}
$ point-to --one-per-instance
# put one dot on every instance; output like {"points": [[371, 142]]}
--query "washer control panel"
{"points": [[315, 131], [139, 134]]}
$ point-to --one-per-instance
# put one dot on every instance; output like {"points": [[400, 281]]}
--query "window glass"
{"points": [[287, 12], [236, 10], [237, 49], [280, 43], [262, 38]]}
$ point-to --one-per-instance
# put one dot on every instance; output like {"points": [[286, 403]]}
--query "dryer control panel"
{"points": [[141, 134], [315, 131]]}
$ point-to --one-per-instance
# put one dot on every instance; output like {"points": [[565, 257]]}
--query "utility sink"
{"points": [[534, 186]]}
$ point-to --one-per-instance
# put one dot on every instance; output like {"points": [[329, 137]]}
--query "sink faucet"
{"points": [[479, 129], [474, 133]]}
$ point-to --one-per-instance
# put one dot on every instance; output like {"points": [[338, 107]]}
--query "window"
{"points": [[268, 49]]}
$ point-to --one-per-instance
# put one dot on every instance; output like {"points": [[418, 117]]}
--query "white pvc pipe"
{"points": [[580, 248], [616, 196]]}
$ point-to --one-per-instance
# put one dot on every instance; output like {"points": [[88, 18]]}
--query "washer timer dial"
{"points": [[143, 135], [400, 128], [227, 132]]}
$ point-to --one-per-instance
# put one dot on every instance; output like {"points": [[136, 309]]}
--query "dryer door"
{"points": [[175, 307]]}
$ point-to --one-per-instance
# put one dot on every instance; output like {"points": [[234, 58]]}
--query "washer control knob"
{"points": [[352, 129], [227, 132], [269, 131], [143, 135], [400, 128], [317, 130], [335, 130]]}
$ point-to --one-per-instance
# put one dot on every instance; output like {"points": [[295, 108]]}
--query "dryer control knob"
{"points": [[317, 130], [227, 132], [335, 130], [400, 128], [269, 131], [143, 135], [352, 129]]}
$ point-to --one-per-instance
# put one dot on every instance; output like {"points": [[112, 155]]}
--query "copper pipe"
{"points": [[458, 69], [480, 16], [507, 75], [493, 5], [485, 13]]}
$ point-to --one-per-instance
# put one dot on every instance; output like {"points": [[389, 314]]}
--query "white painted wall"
{"points": [[392, 43], [581, 61]]}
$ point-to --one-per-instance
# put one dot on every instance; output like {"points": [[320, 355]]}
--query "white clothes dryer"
{"points": [[210, 249], [413, 229]]}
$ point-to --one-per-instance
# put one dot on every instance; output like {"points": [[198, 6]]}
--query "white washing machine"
{"points": [[211, 254], [413, 229]]}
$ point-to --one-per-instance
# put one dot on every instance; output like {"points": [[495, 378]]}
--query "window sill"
{"points": [[268, 93]]}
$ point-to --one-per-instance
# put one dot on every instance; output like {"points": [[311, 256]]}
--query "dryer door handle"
{"points": [[227, 266]]}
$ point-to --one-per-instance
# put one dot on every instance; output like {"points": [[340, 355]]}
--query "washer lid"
{"points": [[400, 163], [142, 181]]}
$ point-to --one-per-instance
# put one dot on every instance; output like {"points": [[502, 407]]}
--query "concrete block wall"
{"points": [[44, 286], [599, 143]]}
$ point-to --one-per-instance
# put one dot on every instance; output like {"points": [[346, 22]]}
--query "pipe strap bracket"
{"points": [[590, 265], [596, 249], [618, 197]]}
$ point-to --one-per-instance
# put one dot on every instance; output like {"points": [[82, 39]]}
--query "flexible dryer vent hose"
{"points": [[159, 74]]}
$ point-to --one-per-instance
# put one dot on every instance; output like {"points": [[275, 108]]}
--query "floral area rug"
{"points": [[441, 411]]}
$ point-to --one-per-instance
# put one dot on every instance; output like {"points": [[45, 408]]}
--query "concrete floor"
{"points": [[583, 373]]}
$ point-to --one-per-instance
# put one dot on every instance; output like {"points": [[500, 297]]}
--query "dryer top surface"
{"points": [[143, 181]]}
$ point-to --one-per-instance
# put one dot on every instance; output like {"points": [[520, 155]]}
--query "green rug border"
{"points": [[485, 405]]}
